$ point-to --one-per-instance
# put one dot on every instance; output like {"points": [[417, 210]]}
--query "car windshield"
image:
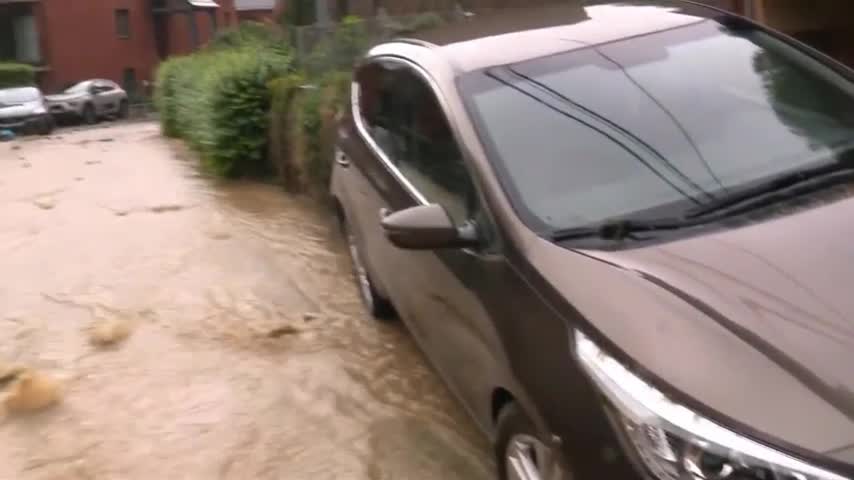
{"points": [[14, 96], [657, 124], [81, 87]]}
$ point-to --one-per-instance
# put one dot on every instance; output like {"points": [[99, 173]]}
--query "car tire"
{"points": [[378, 306], [124, 110], [89, 116], [47, 125], [519, 449]]}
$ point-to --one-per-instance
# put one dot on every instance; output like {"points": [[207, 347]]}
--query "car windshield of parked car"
{"points": [[82, 87], [14, 96], [654, 125]]}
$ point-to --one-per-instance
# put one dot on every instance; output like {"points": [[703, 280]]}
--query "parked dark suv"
{"points": [[623, 233]]}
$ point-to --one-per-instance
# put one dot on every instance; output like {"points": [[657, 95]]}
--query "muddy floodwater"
{"points": [[249, 355]]}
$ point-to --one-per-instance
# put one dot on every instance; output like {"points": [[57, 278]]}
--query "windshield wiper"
{"points": [[622, 229], [779, 188]]}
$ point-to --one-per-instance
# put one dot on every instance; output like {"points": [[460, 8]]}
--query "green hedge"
{"points": [[16, 75], [218, 101], [303, 129], [340, 50]]}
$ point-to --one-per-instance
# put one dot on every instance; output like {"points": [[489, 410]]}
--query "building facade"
{"points": [[265, 11], [827, 24], [121, 40]]}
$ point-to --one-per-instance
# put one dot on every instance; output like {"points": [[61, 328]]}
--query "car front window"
{"points": [[656, 124], [82, 87]]}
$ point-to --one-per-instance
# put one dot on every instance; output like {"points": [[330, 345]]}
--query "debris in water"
{"points": [[109, 332], [165, 208], [107, 140], [45, 203], [92, 162], [78, 179], [26, 165], [9, 372], [16, 147], [308, 317], [30, 391], [282, 331], [219, 235]]}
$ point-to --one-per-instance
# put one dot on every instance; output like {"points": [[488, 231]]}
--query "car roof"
{"points": [[499, 37]]}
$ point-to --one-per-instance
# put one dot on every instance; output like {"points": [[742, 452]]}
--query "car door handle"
{"points": [[341, 159]]}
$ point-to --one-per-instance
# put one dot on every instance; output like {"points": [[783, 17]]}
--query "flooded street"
{"points": [[249, 355]]}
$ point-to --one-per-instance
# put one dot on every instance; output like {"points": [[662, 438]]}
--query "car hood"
{"points": [[755, 324], [18, 110]]}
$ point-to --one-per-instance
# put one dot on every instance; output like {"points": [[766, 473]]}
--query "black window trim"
{"points": [[355, 103]]}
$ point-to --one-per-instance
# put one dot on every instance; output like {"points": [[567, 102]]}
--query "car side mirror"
{"points": [[427, 227]]}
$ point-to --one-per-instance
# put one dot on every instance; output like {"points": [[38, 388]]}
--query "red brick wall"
{"points": [[79, 39], [264, 16], [227, 14]]}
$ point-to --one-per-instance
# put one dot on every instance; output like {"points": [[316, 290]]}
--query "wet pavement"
{"points": [[248, 356]]}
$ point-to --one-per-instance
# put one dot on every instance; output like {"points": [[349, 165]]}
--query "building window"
{"points": [[123, 23], [26, 39]]}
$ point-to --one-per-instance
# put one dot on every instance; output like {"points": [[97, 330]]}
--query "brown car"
{"points": [[622, 232]]}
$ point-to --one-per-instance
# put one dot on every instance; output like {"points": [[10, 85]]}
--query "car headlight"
{"points": [[676, 443]]}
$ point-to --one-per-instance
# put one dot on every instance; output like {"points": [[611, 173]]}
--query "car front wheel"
{"points": [[124, 110], [89, 115], [520, 452], [379, 307], [46, 125]]}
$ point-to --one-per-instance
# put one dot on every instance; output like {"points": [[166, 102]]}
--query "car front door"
{"points": [[101, 97], [414, 158]]}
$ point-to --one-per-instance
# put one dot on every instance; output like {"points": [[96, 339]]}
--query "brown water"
{"points": [[250, 357]]}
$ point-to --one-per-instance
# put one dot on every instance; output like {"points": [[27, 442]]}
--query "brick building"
{"points": [[122, 40]]}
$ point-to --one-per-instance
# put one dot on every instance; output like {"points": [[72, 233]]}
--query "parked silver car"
{"points": [[90, 101], [23, 110]]}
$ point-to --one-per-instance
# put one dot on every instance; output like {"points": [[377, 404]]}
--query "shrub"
{"points": [[282, 150], [165, 101], [423, 21], [299, 12], [16, 75], [341, 49], [304, 128], [218, 101], [251, 34]]}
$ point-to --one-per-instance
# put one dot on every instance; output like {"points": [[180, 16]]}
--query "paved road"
{"points": [[250, 355]]}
